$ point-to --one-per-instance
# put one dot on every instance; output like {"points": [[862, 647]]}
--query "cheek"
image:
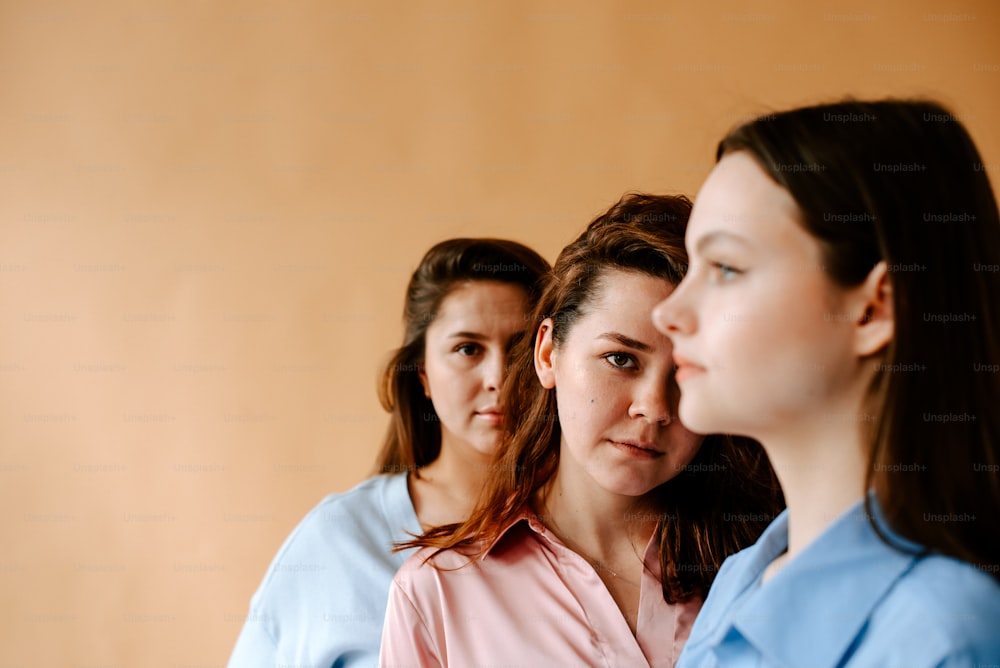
{"points": [[450, 375], [759, 325], [579, 409], [586, 398], [436, 374], [573, 411], [813, 329], [448, 392], [789, 355]]}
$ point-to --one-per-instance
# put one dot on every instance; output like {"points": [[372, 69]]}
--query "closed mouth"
{"points": [[491, 415], [682, 362], [686, 368], [640, 447]]}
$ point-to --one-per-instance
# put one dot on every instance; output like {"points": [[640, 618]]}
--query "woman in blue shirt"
{"points": [[842, 308], [323, 599]]}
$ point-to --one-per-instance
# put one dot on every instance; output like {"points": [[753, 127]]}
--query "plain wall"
{"points": [[209, 211]]}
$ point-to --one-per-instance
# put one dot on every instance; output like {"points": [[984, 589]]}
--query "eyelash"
{"points": [[472, 348], [629, 358], [719, 270]]}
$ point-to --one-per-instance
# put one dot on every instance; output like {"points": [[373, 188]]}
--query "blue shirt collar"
{"points": [[835, 582]]}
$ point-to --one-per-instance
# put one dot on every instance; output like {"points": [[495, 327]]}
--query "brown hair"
{"points": [[719, 504], [902, 182], [413, 438]]}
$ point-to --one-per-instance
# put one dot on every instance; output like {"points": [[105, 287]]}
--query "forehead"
{"points": [[615, 288], [623, 301], [739, 194], [483, 303]]}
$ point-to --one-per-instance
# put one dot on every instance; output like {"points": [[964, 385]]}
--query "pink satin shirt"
{"points": [[529, 601]]}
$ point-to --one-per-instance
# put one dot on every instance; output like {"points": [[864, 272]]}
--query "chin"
{"points": [[700, 421], [629, 487], [487, 447]]}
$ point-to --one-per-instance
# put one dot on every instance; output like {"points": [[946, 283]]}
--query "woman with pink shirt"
{"points": [[604, 521]]}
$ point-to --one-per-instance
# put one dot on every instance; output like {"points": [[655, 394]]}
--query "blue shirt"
{"points": [[323, 599], [847, 599]]}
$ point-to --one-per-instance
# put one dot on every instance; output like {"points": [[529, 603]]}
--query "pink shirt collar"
{"points": [[529, 600], [651, 557]]}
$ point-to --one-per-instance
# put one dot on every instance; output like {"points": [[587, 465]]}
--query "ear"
{"points": [[877, 325], [422, 374], [544, 348]]}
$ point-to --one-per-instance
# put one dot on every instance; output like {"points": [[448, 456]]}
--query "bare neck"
{"points": [[821, 470], [446, 490], [603, 524]]}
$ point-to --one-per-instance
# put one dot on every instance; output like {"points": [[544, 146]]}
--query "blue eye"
{"points": [[723, 273], [621, 360]]}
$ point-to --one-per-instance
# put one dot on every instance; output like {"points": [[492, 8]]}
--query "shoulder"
{"points": [[379, 505], [385, 495], [431, 573], [946, 608], [346, 533], [940, 612], [430, 564], [323, 596]]}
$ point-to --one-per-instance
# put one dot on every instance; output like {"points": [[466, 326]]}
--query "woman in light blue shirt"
{"points": [[322, 601], [843, 308]]}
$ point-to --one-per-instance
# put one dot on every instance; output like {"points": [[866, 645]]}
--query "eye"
{"points": [[468, 349], [621, 360], [723, 273]]}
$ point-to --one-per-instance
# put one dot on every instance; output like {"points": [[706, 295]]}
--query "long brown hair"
{"points": [[719, 504], [413, 438], [902, 182]]}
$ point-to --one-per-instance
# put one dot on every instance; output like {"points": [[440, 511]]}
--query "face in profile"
{"points": [[762, 336], [615, 390], [465, 359]]}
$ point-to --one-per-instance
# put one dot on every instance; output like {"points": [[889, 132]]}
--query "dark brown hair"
{"points": [[902, 182], [719, 504], [413, 438]]}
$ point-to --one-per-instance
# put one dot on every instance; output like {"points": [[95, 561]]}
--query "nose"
{"points": [[673, 316], [652, 400], [494, 367]]}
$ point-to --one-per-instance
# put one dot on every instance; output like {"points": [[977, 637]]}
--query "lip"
{"points": [[638, 449], [491, 415], [686, 368]]}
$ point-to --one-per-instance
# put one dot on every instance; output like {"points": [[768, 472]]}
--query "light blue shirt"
{"points": [[323, 599], [848, 600]]}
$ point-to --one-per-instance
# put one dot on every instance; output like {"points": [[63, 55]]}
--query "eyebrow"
{"points": [[476, 336], [626, 341], [719, 236]]}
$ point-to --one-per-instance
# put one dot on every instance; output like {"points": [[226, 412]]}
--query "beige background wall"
{"points": [[208, 212]]}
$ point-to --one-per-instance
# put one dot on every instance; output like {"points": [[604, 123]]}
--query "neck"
{"points": [[447, 489], [821, 470], [603, 525]]}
